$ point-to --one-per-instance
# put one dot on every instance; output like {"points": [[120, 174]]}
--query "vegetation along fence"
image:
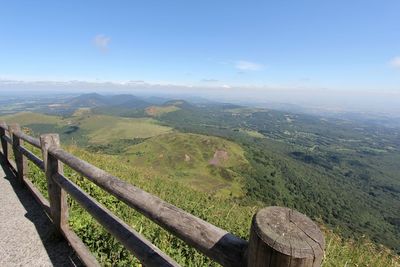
{"points": [[278, 236]]}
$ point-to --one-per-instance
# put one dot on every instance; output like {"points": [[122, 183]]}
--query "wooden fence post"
{"points": [[284, 237], [57, 196], [20, 160], [4, 142]]}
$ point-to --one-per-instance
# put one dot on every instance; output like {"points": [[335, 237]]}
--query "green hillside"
{"points": [[207, 163], [28, 118], [227, 214], [105, 129], [340, 172], [85, 128]]}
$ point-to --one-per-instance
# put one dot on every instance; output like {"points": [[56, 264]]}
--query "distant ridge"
{"points": [[97, 100]]}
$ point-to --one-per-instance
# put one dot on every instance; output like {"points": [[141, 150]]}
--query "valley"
{"points": [[341, 172]]}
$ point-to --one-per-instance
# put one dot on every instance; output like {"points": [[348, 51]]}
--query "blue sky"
{"points": [[339, 45]]}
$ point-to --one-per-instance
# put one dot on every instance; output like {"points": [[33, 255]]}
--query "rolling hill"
{"points": [[233, 216], [207, 163], [86, 128], [342, 172]]}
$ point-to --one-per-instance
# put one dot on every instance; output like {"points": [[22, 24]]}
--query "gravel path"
{"points": [[26, 233]]}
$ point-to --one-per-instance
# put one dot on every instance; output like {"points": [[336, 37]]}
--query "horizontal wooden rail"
{"points": [[80, 248], [278, 236], [13, 165], [145, 251], [32, 157], [38, 196], [7, 139], [31, 140], [214, 242]]}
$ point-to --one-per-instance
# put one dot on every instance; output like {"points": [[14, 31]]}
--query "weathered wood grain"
{"points": [[218, 244], [4, 145], [57, 196], [146, 252], [32, 157], [7, 139], [20, 160], [31, 140], [38, 197], [284, 237], [80, 248]]}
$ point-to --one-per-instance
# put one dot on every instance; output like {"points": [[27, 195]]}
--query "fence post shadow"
{"points": [[58, 250]]}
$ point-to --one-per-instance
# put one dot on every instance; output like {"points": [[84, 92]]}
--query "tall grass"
{"points": [[227, 214]]}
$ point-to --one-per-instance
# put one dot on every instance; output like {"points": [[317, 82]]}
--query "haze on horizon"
{"points": [[336, 55]]}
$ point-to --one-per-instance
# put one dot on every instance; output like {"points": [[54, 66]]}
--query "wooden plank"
{"points": [[20, 160], [32, 157], [38, 196], [81, 249], [284, 237], [7, 139], [146, 252], [216, 243], [4, 146], [57, 196], [31, 140], [12, 165]]}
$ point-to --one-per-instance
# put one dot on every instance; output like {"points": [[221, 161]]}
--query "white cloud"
{"points": [[101, 42], [247, 65], [395, 62]]}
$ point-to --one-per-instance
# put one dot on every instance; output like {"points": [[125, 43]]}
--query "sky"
{"points": [[340, 47]]}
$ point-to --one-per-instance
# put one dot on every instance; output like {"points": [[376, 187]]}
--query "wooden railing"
{"points": [[278, 236]]}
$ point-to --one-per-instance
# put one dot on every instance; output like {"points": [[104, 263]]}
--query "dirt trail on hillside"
{"points": [[219, 157]]}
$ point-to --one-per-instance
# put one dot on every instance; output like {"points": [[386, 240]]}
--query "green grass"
{"points": [[105, 129], [161, 164], [91, 128], [188, 158], [26, 118], [227, 214], [252, 133], [354, 190]]}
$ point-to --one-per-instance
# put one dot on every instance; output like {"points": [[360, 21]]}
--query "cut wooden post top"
{"points": [[289, 232], [50, 139], [14, 127]]}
